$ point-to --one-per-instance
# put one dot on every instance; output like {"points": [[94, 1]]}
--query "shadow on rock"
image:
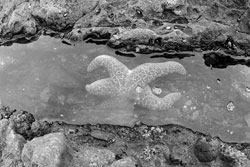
{"points": [[172, 56]]}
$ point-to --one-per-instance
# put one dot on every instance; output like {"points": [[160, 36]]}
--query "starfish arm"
{"points": [[114, 67], [148, 72], [152, 102], [102, 87]]}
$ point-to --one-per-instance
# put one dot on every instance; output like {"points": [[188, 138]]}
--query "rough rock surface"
{"points": [[11, 145], [58, 144], [142, 26], [48, 151]]}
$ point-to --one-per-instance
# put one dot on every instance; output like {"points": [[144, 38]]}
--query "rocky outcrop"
{"points": [[142, 26], [47, 151], [59, 144], [11, 145]]}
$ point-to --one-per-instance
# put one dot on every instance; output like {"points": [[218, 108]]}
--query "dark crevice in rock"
{"points": [[124, 54], [66, 43], [97, 36], [96, 41], [180, 20], [219, 60], [173, 55]]}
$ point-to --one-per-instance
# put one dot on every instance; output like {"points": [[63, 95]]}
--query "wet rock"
{"points": [[6, 112], [39, 128], [138, 35], [125, 162], [138, 26], [16, 21], [206, 150], [3, 129], [22, 121], [180, 156], [89, 156], [61, 144], [47, 151], [11, 145], [61, 15], [154, 155], [231, 156]]}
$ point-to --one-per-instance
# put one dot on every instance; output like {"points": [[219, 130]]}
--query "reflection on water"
{"points": [[48, 78]]}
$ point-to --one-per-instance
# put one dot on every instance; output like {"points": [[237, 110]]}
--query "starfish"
{"points": [[132, 84]]}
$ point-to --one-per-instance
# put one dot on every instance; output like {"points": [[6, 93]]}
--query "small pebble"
{"points": [[188, 103], [137, 49], [168, 28], [71, 131], [230, 132], [218, 81], [247, 89], [193, 108], [138, 89], [98, 10], [157, 90], [230, 106], [230, 44]]}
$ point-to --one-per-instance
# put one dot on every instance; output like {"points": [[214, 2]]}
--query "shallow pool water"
{"points": [[48, 78]]}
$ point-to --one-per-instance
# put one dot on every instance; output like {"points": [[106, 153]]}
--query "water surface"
{"points": [[48, 78]]}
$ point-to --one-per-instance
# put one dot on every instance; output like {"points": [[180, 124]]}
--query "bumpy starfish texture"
{"points": [[133, 84]]}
